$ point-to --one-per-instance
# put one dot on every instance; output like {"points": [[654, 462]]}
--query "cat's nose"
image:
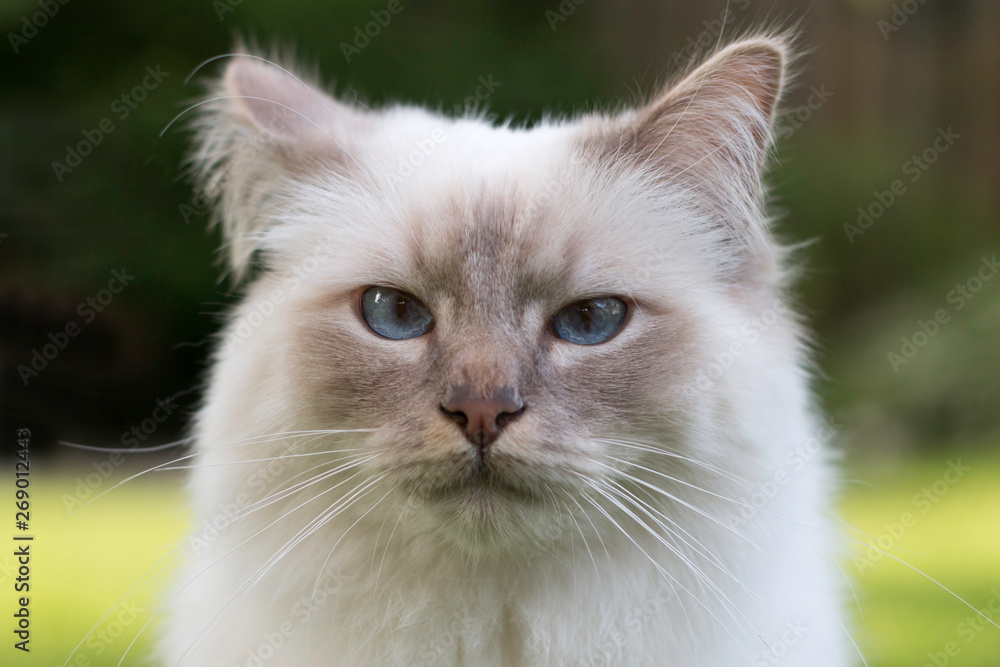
{"points": [[482, 418]]}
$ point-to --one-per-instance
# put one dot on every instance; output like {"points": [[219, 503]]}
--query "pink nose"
{"points": [[482, 418]]}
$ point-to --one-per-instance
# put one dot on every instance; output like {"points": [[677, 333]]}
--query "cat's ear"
{"points": [[711, 131], [270, 98], [260, 130]]}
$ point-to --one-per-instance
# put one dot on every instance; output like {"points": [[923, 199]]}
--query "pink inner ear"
{"points": [[277, 101], [733, 92], [713, 127], [757, 70]]}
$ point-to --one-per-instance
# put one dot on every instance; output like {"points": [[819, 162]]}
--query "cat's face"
{"points": [[500, 311], [491, 406]]}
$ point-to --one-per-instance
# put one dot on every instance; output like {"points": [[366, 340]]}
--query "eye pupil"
{"points": [[394, 314], [590, 322]]}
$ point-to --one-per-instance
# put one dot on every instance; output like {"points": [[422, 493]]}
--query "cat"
{"points": [[502, 395]]}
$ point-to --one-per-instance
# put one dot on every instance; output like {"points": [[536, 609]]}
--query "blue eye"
{"points": [[590, 322], [394, 314]]}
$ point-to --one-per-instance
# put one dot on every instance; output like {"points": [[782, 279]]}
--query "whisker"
{"points": [[719, 522], [656, 565], [758, 599], [714, 588], [402, 513], [597, 572], [218, 560], [269, 458], [611, 561], [136, 587], [126, 450], [310, 529], [256, 440], [745, 483]]}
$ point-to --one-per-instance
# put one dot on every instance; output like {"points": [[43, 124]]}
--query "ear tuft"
{"points": [[261, 127], [712, 130], [752, 74], [271, 98]]}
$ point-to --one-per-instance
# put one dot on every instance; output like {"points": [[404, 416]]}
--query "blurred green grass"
{"points": [[903, 617], [84, 562]]}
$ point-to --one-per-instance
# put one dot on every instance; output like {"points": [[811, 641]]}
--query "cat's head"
{"points": [[513, 316]]}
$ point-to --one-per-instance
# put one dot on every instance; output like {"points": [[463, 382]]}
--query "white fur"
{"points": [[570, 590]]}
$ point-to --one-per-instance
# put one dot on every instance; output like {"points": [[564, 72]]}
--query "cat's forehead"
{"points": [[490, 246], [476, 221], [495, 218]]}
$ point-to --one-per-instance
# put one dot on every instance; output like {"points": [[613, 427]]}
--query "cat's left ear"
{"points": [[262, 128], [710, 133]]}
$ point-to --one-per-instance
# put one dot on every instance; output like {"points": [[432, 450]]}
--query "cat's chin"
{"points": [[483, 503], [486, 515]]}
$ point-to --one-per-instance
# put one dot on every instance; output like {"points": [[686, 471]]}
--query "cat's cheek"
{"points": [[352, 378], [545, 457], [600, 385], [633, 393], [549, 428], [419, 441]]}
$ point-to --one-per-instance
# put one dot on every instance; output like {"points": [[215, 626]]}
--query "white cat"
{"points": [[506, 395]]}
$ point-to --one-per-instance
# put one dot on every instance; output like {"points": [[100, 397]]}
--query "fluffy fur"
{"points": [[663, 498]]}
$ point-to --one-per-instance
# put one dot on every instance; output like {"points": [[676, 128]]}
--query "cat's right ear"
{"points": [[707, 137], [262, 128]]}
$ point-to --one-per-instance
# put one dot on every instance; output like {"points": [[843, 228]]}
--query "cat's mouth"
{"points": [[481, 480]]}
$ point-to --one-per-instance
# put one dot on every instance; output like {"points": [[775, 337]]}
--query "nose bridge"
{"points": [[484, 366]]}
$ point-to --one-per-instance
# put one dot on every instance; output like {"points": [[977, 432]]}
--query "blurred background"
{"points": [[886, 169]]}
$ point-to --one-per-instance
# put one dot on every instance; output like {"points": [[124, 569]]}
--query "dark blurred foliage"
{"points": [[888, 91]]}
